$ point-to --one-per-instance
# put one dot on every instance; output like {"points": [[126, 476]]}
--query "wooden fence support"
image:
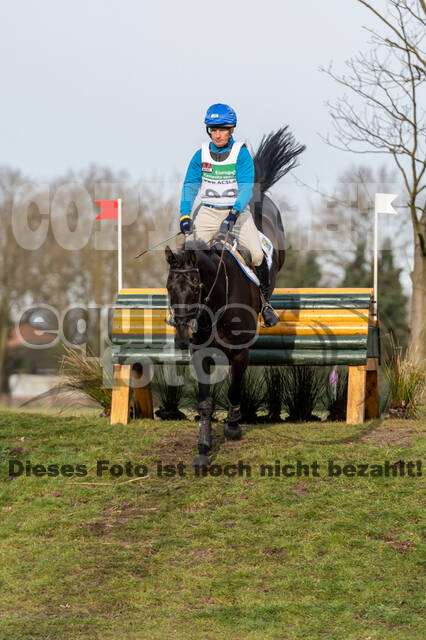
{"points": [[142, 394], [355, 412], [120, 404]]}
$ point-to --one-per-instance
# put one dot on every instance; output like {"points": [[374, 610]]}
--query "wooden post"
{"points": [[355, 411], [142, 394], [120, 404], [372, 407]]}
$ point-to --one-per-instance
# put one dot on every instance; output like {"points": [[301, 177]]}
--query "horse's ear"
{"points": [[170, 256]]}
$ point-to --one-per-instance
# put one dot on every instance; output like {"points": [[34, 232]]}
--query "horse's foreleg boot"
{"points": [[234, 413], [205, 408], [201, 460], [232, 428]]}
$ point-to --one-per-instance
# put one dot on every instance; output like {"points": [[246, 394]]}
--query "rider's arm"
{"points": [[245, 179], [191, 184]]}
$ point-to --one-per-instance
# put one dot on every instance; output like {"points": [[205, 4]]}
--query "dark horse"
{"points": [[215, 306]]}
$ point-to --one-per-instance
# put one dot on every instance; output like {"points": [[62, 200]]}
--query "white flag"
{"points": [[383, 202]]}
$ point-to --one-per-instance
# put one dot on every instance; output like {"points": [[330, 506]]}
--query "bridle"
{"points": [[190, 317]]}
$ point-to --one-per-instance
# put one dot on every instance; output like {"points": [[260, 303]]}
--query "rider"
{"points": [[224, 170]]}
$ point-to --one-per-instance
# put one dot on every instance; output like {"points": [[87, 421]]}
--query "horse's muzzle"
{"points": [[184, 332], [182, 337]]}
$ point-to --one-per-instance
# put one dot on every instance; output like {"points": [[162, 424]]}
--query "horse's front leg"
{"points": [[205, 407], [239, 364]]}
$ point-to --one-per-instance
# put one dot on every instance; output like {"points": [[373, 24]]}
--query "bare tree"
{"points": [[343, 218], [388, 81]]}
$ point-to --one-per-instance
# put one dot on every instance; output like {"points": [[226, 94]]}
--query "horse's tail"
{"points": [[276, 156]]}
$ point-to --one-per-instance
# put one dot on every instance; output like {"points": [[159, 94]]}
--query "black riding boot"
{"points": [[270, 318]]}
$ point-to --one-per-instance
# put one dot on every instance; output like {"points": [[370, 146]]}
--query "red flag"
{"points": [[109, 209]]}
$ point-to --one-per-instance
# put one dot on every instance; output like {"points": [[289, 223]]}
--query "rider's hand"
{"points": [[186, 225], [229, 222]]}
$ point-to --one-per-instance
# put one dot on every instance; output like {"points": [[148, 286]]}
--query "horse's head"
{"points": [[184, 288]]}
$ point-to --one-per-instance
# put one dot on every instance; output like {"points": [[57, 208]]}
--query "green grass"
{"points": [[208, 558]]}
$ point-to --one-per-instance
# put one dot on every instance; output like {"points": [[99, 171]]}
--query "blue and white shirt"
{"points": [[244, 177]]}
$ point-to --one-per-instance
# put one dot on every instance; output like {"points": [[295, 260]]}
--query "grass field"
{"points": [[216, 557]]}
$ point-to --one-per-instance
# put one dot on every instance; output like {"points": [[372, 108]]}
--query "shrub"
{"points": [[406, 381]]}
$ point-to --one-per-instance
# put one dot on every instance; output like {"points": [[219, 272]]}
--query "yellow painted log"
{"points": [[285, 315], [288, 329], [141, 321], [347, 290], [315, 329], [323, 315], [142, 291]]}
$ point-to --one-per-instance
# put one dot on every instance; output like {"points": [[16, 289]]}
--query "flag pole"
{"points": [[120, 264], [376, 243], [382, 204]]}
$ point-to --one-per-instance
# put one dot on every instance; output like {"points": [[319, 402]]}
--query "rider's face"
{"points": [[220, 137]]}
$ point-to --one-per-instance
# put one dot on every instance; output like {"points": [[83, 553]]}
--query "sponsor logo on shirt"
{"points": [[207, 167]]}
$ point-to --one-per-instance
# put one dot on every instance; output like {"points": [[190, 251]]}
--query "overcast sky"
{"points": [[126, 83]]}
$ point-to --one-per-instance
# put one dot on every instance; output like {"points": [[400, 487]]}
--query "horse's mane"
{"points": [[201, 249], [276, 156]]}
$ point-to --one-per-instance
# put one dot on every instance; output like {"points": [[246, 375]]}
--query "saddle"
{"points": [[241, 252]]}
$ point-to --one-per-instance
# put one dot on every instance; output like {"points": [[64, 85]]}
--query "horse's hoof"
{"points": [[201, 460], [232, 431]]}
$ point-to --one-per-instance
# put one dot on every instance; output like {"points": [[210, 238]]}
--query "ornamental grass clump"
{"points": [[406, 381], [83, 373], [252, 395], [335, 394], [302, 389]]}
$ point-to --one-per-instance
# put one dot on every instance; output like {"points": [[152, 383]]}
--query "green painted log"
{"points": [[315, 357], [263, 357], [131, 355], [326, 303], [278, 301], [143, 339], [310, 342], [373, 342]]}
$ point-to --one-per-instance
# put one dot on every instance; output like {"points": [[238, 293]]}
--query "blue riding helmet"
{"points": [[220, 115]]}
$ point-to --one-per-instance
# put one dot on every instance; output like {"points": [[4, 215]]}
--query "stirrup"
{"points": [[272, 321]]}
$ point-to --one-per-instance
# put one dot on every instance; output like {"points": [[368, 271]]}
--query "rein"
{"points": [[217, 274]]}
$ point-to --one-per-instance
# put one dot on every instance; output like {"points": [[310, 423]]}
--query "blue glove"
{"points": [[229, 222], [186, 225]]}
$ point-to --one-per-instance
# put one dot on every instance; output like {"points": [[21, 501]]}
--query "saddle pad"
{"points": [[249, 272], [267, 248]]}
